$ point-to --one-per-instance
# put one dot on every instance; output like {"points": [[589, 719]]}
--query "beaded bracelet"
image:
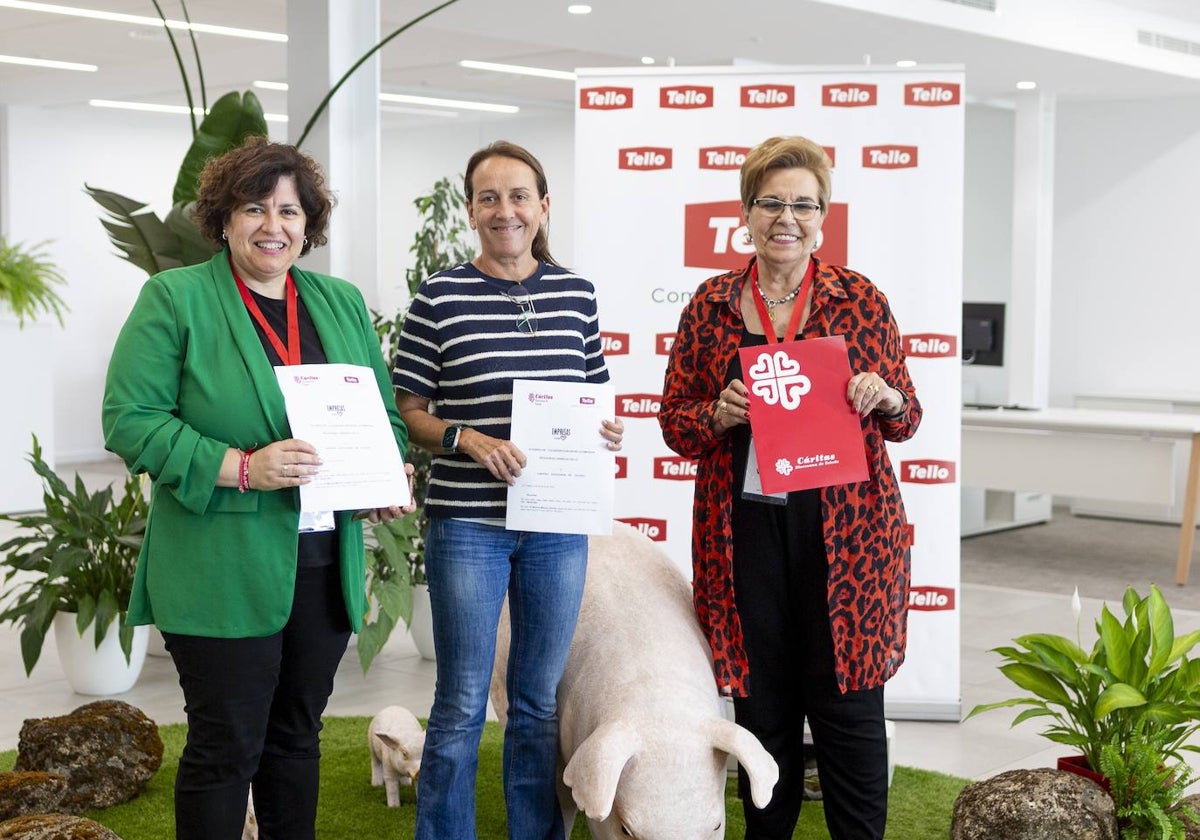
{"points": [[244, 469]]}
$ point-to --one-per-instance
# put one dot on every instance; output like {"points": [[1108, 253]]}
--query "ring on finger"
{"points": [[873, 388], [723, 406], [283, 470]]}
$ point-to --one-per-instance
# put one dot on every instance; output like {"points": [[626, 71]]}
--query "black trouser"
{"points": [[254, 710], [780, 573]]}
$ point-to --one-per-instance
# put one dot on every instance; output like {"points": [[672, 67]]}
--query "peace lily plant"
{"points": [[1135, 693]]}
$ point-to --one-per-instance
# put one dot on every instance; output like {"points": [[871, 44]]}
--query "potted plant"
{"points": [[71, 566], [27, 281], [395, 551], [1134, 694]]}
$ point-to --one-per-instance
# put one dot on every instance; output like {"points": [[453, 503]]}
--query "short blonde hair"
{"points": [[785, 153]]}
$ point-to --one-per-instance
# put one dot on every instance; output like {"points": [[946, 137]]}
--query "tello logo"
{"points": [[849, 95], [663, 342], [606, 98], [714, 236], [932, 94], [655, 529], [931, 598], [927, 471], [614, 343], [675, 468], [644, 157], [768, 96], [723, 157], [622, 466], [889, 157], [638, 405], [685, 96], [930, 345]]}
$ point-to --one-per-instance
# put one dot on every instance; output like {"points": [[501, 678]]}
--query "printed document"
{"points": [[339, 410], [566, 486]]}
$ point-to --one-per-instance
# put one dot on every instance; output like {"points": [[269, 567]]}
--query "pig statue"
{"points": [[642, 735], [396, 740]]}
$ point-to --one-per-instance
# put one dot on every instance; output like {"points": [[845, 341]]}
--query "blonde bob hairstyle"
{"points": [[785, 153]]}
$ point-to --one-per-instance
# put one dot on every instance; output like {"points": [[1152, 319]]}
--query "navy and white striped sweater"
{"points": [[460, 349]]}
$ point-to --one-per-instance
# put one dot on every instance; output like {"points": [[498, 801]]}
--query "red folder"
{"points": [[806, 434]]}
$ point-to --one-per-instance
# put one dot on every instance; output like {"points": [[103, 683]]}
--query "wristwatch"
{"points": [[450, 438]]}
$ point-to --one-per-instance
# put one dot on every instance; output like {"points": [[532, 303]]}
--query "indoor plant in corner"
{"points": [[71, 566], [1135, 694]]}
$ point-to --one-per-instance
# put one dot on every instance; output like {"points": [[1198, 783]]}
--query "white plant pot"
{"points": [[421, 628], [157, 646], [103, 670]]}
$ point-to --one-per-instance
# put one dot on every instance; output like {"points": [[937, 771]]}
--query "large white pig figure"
{"points": [[641, 729]]}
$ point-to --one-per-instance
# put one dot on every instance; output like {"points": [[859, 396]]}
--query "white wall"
{"points": [[1127, 249], [987, 230]]}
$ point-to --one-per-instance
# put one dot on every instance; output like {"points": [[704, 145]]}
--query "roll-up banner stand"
{"points": [[657, 153]]}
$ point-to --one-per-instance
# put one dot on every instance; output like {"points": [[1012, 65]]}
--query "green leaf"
{"points": [[1116, 644], [1059, 643], [1183, 645], [138, 234], [232, 118], [1032, 678], [1119, 696], [32, 639], [194, 248]]}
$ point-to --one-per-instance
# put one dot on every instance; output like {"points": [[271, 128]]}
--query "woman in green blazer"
{"points": [[256, 602]]}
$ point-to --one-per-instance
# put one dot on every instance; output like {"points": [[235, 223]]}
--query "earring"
{"points": [[820, 239], [747, 238], [305, 241], [223, 236]]}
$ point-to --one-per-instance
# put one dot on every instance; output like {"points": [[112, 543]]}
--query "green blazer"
{"points": [[188, 379]]}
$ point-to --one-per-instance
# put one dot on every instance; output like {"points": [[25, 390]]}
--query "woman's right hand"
{"points": [[284, 463], [733, 407], [501, 457]]}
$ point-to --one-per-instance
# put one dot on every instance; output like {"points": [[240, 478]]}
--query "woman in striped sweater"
{"points": [[510, 313]]}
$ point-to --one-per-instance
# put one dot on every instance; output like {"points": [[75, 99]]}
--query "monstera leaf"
{"points": [[232, 118]]}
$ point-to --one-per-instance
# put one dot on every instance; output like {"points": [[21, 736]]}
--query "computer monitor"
{"points": [[983, 334]]}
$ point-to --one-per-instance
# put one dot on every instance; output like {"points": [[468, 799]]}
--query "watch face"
{"points": [[450, 437]]}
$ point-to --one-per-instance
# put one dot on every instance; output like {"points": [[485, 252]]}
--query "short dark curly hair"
{"points": [[249, 173]]}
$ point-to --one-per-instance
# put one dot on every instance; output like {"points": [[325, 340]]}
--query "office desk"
{"points": [[1117, 455]]}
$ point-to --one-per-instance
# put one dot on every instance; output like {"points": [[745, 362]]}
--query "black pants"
{"points": [[254, 710], [780, 573]]}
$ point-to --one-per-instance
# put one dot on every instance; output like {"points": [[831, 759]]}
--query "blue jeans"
{"points": [[470, 566]]}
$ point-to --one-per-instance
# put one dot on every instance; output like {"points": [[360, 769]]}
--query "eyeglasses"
{"points": [[803, 211], [527, 320]]}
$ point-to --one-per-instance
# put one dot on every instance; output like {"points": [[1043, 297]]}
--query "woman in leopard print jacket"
{"points": [[804, 603]]}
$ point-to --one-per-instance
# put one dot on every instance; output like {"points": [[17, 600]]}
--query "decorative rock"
{"points": [[54, 827], [30, 793], [107, 751], [1034, 805], [1191, 830]]}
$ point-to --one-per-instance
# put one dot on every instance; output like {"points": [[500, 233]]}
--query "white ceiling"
{"points": [[136, 63]]}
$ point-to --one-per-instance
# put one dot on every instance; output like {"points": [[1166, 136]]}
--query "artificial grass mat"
{"points": [[919, 806]]}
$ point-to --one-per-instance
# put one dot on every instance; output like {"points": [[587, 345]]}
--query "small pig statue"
{"points": [[396, 740], [641, 729]]}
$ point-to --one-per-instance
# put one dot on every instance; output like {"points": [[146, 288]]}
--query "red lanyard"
{"points": [[765, 318], [289, 355]]}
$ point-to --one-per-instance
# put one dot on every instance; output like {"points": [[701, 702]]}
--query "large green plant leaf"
{"points": [[138, 234], [193, 247], [232, 118]]}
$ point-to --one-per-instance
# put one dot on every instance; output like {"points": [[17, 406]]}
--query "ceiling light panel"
{"points": [[518, 69], [143, 20], [49, 64]]}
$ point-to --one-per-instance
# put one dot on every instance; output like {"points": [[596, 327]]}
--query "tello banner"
{"points": [[849, 95], [638, 405], [889, 157], [644, 157], [614, 343], [606, 98], [927, 471], [931, 598], [768, 96], [723, 157], [714, 236], [932, 94], [685, 96], [675, 468], [931, 345], [655, 529]]}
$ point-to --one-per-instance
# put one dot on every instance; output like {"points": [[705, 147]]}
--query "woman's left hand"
{"points": [[387, 514], [612, 431], [868, 392]]}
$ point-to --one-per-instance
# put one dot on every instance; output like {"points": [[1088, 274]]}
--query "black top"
{"points": [[320, 548]]}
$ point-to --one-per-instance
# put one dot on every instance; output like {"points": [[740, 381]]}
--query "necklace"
{"points": [[771, 304]]}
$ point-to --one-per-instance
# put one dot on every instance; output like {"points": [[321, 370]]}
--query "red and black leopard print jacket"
{"points": [[867, 536]]}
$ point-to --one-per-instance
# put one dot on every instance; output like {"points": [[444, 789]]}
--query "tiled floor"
{"points": [[977, 748]]}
